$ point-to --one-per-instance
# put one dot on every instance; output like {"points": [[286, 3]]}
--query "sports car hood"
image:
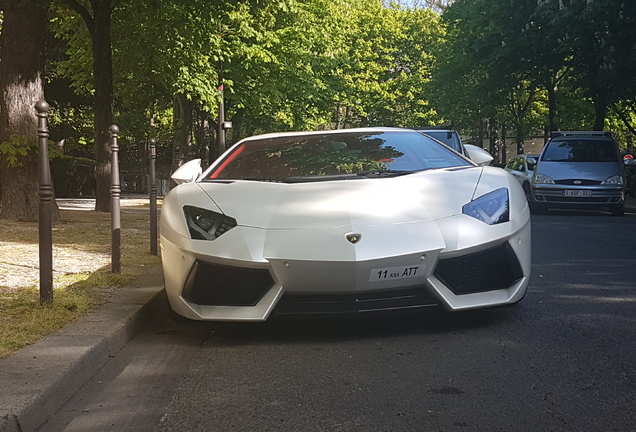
{"points": [[330, 204]]}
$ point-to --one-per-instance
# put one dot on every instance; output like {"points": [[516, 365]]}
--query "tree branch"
{"points": [[86, 16], [623, 117]]}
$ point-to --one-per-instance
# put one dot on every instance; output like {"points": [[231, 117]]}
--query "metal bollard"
{"points": [[115, 193], [45, 206], [153, 197]]}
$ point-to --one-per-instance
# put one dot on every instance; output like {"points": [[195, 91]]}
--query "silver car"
{"points": [[522, 168], [579, 170]]}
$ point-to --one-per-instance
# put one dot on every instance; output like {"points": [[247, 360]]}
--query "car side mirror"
{"points": [[188, 172], [532, 163], [478, 155]]}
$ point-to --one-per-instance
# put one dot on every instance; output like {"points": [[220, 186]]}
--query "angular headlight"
{"points": [[542, 179], [613, 180], [205, 224], [492, 208]]}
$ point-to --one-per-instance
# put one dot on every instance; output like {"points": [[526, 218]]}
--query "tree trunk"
{"points": [[520, 138], [492, 135], [182, 123], [552, 107], [600, 110], [103, 76], [504, 146], [99, 24], [21, 71]]}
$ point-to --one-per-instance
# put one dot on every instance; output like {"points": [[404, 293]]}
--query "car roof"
{"points": [[326, 132], [433, 129], [581, 134]]}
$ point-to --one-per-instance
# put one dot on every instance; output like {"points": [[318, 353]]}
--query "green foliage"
{"points": [[570, 56], [76, 66], [19, 147], [22, 147], [310, 64], [284, 65]]}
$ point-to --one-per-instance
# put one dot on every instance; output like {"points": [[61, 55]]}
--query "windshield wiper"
{"points": [[266, 179], [384, 173], [302, 179]]}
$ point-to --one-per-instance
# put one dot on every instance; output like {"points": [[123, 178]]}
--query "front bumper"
{"points": [[223, 288], [561, 196]]}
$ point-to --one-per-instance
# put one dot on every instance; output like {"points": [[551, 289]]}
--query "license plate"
{"points": [[394, 273], [577, 192]]}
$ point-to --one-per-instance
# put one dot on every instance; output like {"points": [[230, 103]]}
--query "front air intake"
{"points": [[219, 285], [487, 270]]}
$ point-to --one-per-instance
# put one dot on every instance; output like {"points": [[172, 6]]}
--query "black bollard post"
{"points": [[45, 206], [115, 193], [153, 197]]}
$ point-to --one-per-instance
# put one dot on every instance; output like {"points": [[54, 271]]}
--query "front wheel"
{"points": [[618, 210], [536, 208], [171, 313], [526, 190]]}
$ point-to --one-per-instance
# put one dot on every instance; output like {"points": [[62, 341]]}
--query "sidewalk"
{"points": [[36, 381]]}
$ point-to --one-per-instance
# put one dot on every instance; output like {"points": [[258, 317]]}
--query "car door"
{"points": [[517, 167]]}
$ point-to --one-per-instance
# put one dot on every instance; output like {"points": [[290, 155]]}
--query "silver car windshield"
{"points": [[333, 156], [581, 151]]}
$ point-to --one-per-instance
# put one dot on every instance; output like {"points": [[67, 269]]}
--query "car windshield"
{"points": [[330, 156], [581, 151], [447, 137]]}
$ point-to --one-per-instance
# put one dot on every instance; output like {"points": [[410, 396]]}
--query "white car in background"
{"points": [[522, 168], [342, 221]]}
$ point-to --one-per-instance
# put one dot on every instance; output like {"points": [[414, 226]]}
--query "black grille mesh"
{"points": [[487, 270], [219, 285]]}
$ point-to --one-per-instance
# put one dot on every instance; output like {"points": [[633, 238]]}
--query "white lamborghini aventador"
{"points": [[342, 221]]}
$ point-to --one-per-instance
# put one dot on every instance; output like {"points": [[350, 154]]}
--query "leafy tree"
{"points": [[496, 59], [96, 15], [603, 38], [386, 67]]}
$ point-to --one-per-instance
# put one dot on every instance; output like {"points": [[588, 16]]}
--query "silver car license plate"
{"points": [[577, 192]]}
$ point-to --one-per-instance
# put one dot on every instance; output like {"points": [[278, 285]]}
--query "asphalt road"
{"points": [[561, 360]]}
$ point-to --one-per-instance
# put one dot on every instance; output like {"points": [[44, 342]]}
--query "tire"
{"points": [[618, 210], [526, 190], [534, 207], [538, 209], [171, 313]]}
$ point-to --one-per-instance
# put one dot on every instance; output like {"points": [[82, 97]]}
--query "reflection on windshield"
{"points": [[333, 154], [582, 151]]}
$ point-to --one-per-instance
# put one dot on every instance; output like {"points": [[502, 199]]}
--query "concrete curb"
{"points": [[36, 381]]}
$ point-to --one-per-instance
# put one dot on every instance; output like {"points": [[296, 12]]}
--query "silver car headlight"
{"points": [[205, 224], [613, 180], [542, 179], [492, 208]]}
